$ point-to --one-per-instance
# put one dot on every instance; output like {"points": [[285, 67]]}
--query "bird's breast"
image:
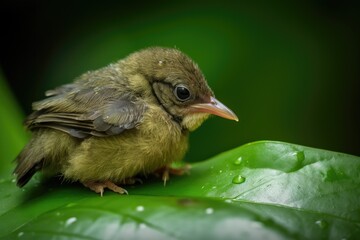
{"points": [[155, 142], [162, 137]]}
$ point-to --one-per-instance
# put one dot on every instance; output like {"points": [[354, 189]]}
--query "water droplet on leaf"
{"points": [[140, 208], [70, 221], [333, 174], [300, 156], [321, 223], [238, 179], [238, 161], [209, 211]]}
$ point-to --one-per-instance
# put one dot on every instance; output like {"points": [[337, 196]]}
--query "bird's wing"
{"points": [[87, 111]]}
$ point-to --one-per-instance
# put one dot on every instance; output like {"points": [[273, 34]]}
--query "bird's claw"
{"points": [[99, 187], [165, 172]]}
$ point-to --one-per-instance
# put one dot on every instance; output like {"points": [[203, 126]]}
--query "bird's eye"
{"points": [[182, 93]]}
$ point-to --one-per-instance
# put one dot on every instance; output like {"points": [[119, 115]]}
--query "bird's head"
{"points": [[178, 85]]}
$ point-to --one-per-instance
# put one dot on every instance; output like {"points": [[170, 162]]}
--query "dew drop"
{"points": [[140, 208], [20, 234], [321, 223], [209, 211], [238, 161], [228, 201], [238, 179], [300, 156], [70, 221], [332, 175], [14, 180]]}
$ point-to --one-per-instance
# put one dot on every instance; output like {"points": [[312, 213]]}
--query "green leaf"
{"points": [[262, 190], [13, 136]]}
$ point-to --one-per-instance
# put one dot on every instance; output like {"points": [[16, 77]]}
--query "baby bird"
{"points": [[129, 118]]}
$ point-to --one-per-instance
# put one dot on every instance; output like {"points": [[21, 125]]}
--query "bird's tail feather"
{"points": [[29, 161]]}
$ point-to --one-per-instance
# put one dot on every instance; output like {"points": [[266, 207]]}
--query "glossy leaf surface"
{"points": [[262, 190]]}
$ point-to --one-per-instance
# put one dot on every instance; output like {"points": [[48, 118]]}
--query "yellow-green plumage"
{"points": [[131, 117], [155, 143]]}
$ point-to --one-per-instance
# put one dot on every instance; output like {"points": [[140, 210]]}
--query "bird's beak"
{"points": [[215, 107]]}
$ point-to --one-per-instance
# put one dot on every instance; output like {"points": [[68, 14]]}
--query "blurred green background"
{"points": [[290, 70]]}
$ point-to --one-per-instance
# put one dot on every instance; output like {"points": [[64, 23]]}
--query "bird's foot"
{"points": [[99, 187], [165, 171]]}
